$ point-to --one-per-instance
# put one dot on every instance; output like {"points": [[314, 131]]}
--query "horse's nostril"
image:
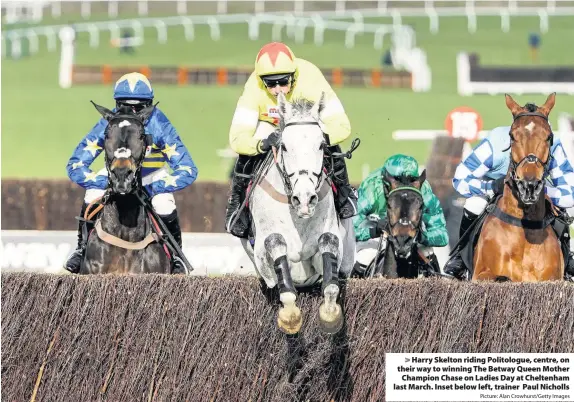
{"points": [[295, 200], [313, 200]]}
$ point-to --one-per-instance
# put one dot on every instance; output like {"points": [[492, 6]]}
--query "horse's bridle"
{"points": [[531, 158], [145, 138], [281, 165], [401, 221]]}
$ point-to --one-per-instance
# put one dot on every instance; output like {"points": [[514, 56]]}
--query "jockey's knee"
{"points": [[366, 251], [163, 204], [93, 194], [366, 256], [475, 205]]}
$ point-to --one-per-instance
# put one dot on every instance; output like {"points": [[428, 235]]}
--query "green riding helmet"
{"points": [[402, 168]]}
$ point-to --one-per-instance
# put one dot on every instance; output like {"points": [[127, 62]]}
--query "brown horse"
{"points": [[517, 242]]}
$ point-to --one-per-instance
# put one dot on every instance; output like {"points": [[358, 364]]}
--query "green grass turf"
{"points": [[42, 124]]}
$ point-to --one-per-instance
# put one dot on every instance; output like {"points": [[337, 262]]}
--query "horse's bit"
{"points": [[531, 158], [281, 166]]}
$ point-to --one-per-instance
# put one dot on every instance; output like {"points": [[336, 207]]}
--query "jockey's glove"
{"points": [[378, 229], [273, 140], [498, 186]]}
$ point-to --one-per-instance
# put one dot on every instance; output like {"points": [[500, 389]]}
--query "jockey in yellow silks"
{"points": [[254, 129]]}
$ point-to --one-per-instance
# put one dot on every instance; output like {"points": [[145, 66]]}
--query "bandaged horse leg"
{"points": [[330, 312], [289, 318]]}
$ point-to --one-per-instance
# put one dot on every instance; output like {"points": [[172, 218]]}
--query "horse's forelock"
{"points": [[300, 110]]}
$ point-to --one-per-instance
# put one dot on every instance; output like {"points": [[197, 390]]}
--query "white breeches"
{"points": [[475, 205], [163, 204]]}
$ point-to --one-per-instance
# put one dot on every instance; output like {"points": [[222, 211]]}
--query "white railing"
{"points": [[34, 10]]}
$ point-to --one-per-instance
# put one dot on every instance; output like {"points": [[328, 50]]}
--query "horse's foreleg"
{"points": [[289, 318], [330, 312]]}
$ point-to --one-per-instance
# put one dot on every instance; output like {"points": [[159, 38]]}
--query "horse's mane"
{"points": [[531, 107]]}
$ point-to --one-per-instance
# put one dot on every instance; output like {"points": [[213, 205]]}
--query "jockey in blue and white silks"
{"points": [[481, 174], [167, 153]]}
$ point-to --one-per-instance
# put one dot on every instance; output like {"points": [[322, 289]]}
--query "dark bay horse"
{"points": [[517, 241], [398, 255], [123, 240]]}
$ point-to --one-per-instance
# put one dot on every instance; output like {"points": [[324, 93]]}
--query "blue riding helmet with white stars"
{"points": [[133, 86]]}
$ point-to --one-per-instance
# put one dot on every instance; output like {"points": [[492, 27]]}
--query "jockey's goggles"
{"points": [[137, 105], [274, 80]]}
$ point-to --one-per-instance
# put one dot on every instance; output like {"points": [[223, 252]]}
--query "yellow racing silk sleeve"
{"points": [[335, 122], [245, 118]]}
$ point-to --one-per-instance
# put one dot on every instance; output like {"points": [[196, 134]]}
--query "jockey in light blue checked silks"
{"points": [[480, 176], [135, 90]]}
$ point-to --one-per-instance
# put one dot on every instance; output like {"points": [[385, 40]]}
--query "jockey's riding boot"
{"points": [[455, 267], [346, 198], [562, 230], [74, 261], [239, 184], [172, 223], [569, 267]]}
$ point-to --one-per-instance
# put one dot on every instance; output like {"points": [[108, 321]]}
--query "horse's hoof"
{"points": [[289, 319], [331, 319]]}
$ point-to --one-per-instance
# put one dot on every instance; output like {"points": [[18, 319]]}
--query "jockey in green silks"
{"points": [[371, 220]]}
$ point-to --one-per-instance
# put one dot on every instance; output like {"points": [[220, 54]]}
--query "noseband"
{"points": [[287, 176], [530, 158]]}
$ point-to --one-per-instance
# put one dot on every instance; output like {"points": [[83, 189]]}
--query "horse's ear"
{"points": [[105, 112], [418, 182], [318, 106], [511, 104], [548, 105], [146, 112], [423, 176], [284, 106], [387, 182]]}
